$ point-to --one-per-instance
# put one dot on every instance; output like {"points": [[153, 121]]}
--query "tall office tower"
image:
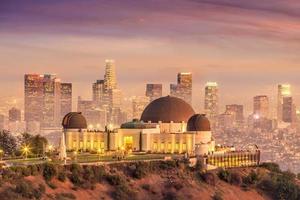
{"points": [[261, 106], [33, 97], [98, 93], [14, 115], [183, 88], [65, 98], [153, 91], [52, 104], [238, 114], [288, 110], [110, 81], [284, 90], [211, 100], [138, 105]]}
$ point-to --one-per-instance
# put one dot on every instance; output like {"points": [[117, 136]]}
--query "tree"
{"points": [[37, 143], [8, 142]]}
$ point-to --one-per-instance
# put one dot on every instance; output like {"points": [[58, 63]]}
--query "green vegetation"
{"points": [[49, 171], [8, 143]]}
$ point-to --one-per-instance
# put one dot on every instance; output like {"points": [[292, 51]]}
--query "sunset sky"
{"points": [[248, 47]]}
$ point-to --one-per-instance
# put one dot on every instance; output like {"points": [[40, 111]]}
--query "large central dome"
{"points": [[167, 109]]}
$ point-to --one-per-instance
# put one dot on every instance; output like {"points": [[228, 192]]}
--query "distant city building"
{"points": [[52, 103], [211, 101], [66, 98], [107, 98], [98, 93], [14, 115], [43, 103], [153, 91], [110, 81], [226, 121], [138, 106], [237, 111], [33, 97], [288, 110], [284, 90], [183, 88], [261, 106]]}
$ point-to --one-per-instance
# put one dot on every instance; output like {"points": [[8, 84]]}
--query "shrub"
{"points": [[251, 178], [140, 170], [208, 178], [146, 187], [217, 196], [167, 165], [34, 170], [114, 179], [26, 190], [273, 167], [61, 176], [49, 171], [199, 164], [65, 196], [99, 173], [170, 196], [177, 185], [88, 174], [51, 185], [224, 175], [122, 192], [235, 178]]}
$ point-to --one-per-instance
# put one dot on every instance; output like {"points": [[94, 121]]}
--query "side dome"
{"points": [[167, 109], [198, 122], [74, 120]]}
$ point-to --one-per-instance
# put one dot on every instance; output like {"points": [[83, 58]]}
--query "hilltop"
{"points": [[169, 180]]}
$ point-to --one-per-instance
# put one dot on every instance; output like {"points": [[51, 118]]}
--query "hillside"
{"points": [[152, 180]]}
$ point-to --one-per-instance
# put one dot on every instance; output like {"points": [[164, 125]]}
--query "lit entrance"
{"points": [[128, 142]]}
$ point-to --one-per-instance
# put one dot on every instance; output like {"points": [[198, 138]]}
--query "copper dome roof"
{"points": [[74, 120], [167, 109], [198, 122]]}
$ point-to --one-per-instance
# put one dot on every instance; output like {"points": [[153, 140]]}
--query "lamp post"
{"points": [[25, 150]]}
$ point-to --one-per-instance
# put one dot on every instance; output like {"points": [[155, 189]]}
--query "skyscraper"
{"points": [[98, 93], [14, 115], [33, 97], [66, 98], [211, 100], [110, 81], [43, 100], [261, 106], [52, 103], [153, 91], [284, 90], [183, 88], [287, 109]]}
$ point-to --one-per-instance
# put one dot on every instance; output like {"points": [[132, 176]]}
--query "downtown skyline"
{"points": [[246, 47]]}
